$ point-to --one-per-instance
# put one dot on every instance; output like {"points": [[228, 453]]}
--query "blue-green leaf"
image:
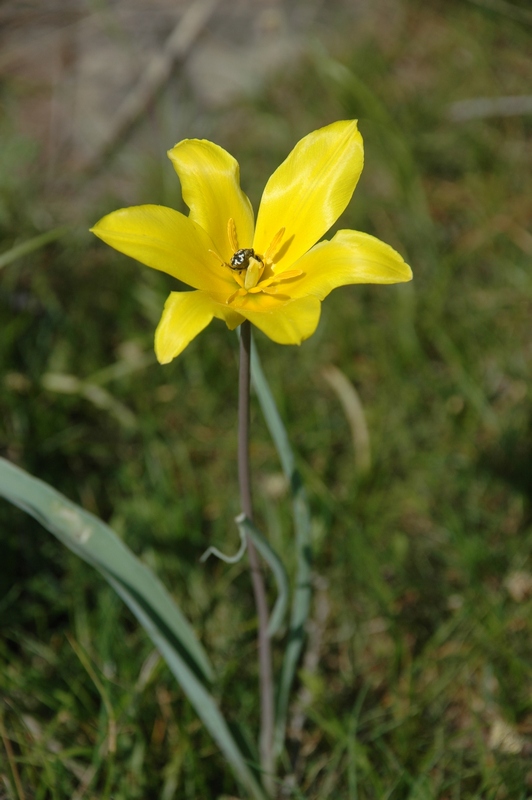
{"points": [[141, 590], [302, 592], [246, 527]]}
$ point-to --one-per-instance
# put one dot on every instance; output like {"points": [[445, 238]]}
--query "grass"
{"points": [[423, 643]]}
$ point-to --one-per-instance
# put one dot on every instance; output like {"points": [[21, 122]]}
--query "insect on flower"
{"points": [[242, 258], [274, 272]]}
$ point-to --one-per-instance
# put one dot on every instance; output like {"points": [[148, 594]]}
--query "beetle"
{"points": [[240, 260]]}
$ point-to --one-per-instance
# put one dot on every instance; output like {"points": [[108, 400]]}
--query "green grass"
{"points": [[423, 651]]}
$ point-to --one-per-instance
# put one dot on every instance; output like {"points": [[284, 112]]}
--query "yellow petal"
{"points": [[230, 317], [309, 191], [166, 240], [210, 183], [350, 257], [185, 315], [286, 323]]}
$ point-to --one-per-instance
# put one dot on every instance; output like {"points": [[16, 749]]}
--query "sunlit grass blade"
{"points": [[29, 246], [270, 556], [97, 395], [302, 592], [98, 545], [354, 412]]}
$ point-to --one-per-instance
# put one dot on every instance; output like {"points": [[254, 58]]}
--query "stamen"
{"points": [[231, 232], [220, 259], [267, 281], [287, 274], [238, 278], [274, 245], [275, 279]]}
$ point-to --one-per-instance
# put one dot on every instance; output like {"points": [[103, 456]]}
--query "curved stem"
{"points": [[265, 659]]}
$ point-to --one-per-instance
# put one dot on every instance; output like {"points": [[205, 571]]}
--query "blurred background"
{"points": [[410, 408]]}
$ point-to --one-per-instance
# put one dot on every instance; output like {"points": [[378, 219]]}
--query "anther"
{"points": [[274, 245], [231, 233]]}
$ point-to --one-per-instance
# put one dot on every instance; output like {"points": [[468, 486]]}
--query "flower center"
{"points": [[247, 267], [245, 260]]}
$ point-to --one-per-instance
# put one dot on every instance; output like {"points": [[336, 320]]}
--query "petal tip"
{"points": [[170, 152], [404, 270], [96, 228], [163, 354], [162, 360]]}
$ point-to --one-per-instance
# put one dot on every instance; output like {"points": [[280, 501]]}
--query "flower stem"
{"points": [[265, 658]]}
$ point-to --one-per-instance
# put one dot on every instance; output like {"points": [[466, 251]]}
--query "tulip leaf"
{"points": [[213, 551], [246, 527], [141, 590], [302, 592]]}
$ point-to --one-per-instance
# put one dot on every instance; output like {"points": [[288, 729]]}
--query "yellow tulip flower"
{"points": [[274, 273]]}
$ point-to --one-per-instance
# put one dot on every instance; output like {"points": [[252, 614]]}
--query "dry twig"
{"points": [[153, 79]]}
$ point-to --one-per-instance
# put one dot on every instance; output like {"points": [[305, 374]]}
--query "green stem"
{"points": [[265, 658], [302, 593]]}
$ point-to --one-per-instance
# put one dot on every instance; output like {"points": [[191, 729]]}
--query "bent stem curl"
{"points": [[265, 660]]}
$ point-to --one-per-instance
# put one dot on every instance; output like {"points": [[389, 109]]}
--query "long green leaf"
{"points": [[141, 590], [245, 526], [97, 544], [302, 592]]}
